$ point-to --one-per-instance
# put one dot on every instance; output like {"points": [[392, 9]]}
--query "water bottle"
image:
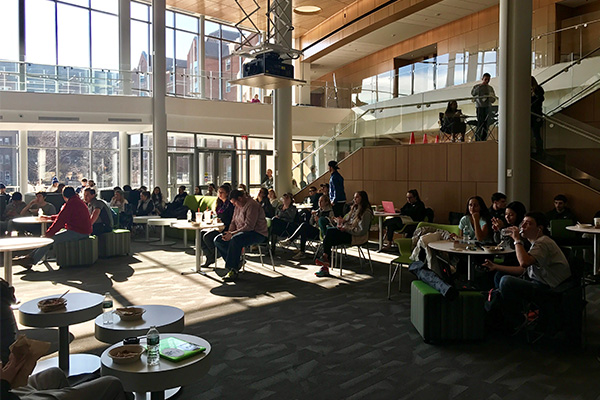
{"points": [[189, 216], [40, 212], [107, 308], [153, 342]]}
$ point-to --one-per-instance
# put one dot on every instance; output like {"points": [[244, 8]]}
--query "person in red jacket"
{"points": [[74, 217]]}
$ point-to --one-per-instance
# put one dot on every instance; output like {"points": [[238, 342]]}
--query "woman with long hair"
{"points": [[475, 225], [453, 123], [158, 201], [414, 208], [352, 229], [224, 210], [284, 221]]}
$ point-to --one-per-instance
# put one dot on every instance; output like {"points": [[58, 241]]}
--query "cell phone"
{"points": [[131, 340]]}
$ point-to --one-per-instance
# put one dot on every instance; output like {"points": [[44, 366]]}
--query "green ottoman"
{"points": [[77, 253], [438, 319], [115, 243]]}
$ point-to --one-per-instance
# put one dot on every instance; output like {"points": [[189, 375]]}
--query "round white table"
{"points": [[199, 228], [162, 222], [303, 206], [33, 220], [140, 378], [382, 215], [165, 318], [448, 247], [80, 307], [143, 220], [8, 245], [589, 228]]}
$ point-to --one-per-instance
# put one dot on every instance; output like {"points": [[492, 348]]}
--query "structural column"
{"points": [[124, 168], [23, 162], [125, 45], [282, 115], [159, 85], [202, 59], [515, 100]]}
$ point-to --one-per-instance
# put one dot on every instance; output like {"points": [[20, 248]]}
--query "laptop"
{"points": [[388, 207]]}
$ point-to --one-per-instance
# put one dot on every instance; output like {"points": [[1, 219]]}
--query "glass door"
{"points": [[225, 168], [218, 167], [179, 173]]}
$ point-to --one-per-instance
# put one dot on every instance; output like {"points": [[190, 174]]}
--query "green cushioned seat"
{"points": [[438, 319], [115, 243], [193, 202], [77, 253]]}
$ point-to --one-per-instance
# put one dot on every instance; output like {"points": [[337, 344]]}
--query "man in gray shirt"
{"points": [[483, 96], [100, 213]]}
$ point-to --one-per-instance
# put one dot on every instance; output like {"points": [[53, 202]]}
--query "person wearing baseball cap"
{"points": [[336, 189]]}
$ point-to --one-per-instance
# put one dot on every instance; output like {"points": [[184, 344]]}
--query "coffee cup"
{"points": [[596, 222]]}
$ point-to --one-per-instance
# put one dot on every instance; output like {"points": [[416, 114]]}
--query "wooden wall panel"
{"points": [[380, 163], [485, 190], [427, 162], [389, 191], [467, 189], [442, 197], [454, 167], [357, 166], [402, 163], [480, 162]]}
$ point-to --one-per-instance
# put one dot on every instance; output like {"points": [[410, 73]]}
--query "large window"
{"points": [[9, 158], [71, 156]]}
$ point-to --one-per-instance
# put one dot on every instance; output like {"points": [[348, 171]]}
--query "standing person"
{"points": [[483, 95], [337, 195], [351, 229], [74, 217], [248, 226], [310, 178], [101, 216], [224, 210], [414, 208], [268, 179], [537, 99]]}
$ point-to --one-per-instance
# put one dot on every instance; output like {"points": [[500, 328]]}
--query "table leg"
{"points": [[147, 233], [185, 238], [198, 269], [63, 348], [157, 395], [468, 267], [380, 233], [162, 234], [8, 266], [596, 254]]}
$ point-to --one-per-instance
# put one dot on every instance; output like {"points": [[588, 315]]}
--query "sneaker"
{"points": [[298, 256], [231, 276], [207, 264], [24, 261], [285, 242], [323, 261], [323, 272]]}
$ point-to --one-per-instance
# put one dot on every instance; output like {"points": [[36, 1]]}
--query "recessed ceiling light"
{"points": [[307, 10]]}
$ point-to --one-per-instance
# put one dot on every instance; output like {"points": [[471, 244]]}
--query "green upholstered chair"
{"points": [[115, 243], [405, 247], [438, 319], [193, 202], [77, 253]]}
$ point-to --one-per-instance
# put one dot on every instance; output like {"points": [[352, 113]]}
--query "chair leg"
{"points": [[370, 261], [390, 282], [272, 262], [260, 255]]}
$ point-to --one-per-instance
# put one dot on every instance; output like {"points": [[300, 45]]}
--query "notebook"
{"points": [[388, 206], [174, 349]]}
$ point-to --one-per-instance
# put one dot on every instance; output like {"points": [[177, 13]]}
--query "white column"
{"points": [[23, 162], [124, 156], [159, 120], [125, 45], [514, 100], [282, 122]]}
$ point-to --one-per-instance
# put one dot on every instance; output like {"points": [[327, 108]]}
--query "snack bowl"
{"points": [[126, 354], [52, 304], [130, 313]]}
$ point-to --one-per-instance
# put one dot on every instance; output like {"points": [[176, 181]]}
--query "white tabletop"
{"points": [[448, 246], [161, 221], [181, 224], [139, 377], [304, 206], [23, 243], [584, 228], [385, 214], [142, 219], [165, 318], [81, 307], [31, 220]]}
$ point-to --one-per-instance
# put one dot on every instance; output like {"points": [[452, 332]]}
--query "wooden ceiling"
{"points": [[228, 10]]}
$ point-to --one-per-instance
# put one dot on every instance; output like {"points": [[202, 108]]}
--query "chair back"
{"points": [[450, 228]]}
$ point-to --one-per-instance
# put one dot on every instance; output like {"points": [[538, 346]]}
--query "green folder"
{"points": [[174, 349]]}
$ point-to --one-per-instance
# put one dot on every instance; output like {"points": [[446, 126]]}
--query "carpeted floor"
{"points": [[289, 335]]}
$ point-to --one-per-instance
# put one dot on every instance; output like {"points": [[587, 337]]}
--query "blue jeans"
{"points": [[60, 237], [231, 250]]}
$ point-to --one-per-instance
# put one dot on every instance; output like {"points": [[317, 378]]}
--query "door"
{"points": [[218, 167], [179, 173]]}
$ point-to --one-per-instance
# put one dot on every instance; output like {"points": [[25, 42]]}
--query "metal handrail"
{"points": [[578, 131], [565, 69]]}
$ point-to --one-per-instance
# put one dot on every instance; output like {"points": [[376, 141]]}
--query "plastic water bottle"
{"points": [[40, 212], [153, 342], [189, 216], [107, 308]]}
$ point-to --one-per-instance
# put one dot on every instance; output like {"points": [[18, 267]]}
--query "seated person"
{"points": [[311, 230], [453, 123], [197, 191], [263, 199], [158, 201], [212, 190], [8, 325], [475, 224], [313, 197], [118, 200], [498, 206], [74, 217], [513, 216], [413, 208], [180, 197], [273, 199], [284, 221], [101, 215], [145, 205], [351, 229], [248, 226], [32, 209], [560, 210], [542, 268], [224, 210], [13, 210]]}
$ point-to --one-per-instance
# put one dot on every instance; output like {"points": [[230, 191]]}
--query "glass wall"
{"points": [[9, 160]]}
